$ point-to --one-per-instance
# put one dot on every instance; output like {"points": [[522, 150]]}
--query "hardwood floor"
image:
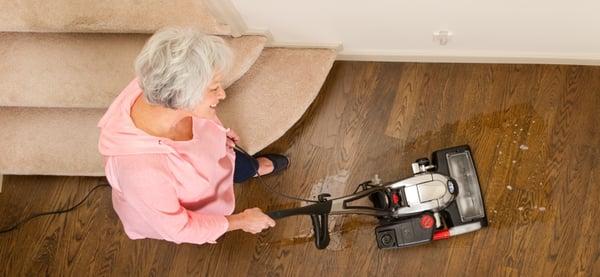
{"points": [[534, 131]]}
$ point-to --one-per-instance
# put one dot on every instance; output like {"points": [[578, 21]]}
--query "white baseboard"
{"points": [[435, 56], [469, 57], [335, 46], [272, 43]]}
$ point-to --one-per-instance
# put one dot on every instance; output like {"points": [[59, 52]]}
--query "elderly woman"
{"points": [[168, 158]]}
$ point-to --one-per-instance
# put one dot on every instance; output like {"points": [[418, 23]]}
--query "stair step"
{"points": [[261, 107], [246, 50], [107, 16], [274, 94], [83, 70], [50, 141]]}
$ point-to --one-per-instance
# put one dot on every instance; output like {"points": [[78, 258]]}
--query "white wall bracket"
{"points": [[442, 37]]}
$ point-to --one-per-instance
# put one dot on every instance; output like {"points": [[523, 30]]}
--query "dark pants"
{"points": [[245, 167]]}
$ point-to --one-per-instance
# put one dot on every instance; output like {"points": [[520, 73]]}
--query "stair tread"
{"points": [[108, 16], [261, 107], [274, 94], [83, 70]]}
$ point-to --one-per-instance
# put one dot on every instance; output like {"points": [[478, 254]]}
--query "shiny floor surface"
{"points": [[535, 135]]}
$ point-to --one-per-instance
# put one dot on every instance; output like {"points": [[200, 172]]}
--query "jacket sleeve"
{"points": [[149, 188]]}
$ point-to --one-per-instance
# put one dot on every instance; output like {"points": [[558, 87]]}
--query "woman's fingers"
{"points": [[257, 221], [234, 139], [264, 227], [270, 222], [267, 220], [233, 135], [230, 143], [258, 230]]}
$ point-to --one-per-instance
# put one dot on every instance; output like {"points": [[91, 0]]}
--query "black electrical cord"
{"points": [[289, 196], [14, 226], [269, 187]]}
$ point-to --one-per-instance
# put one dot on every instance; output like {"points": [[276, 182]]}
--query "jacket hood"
{"points": [[118, 134]]}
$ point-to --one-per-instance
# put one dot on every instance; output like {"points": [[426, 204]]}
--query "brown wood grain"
{"points": [[534, 131]]}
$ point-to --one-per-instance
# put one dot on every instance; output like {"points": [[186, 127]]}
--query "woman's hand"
{"points": [[233, 138], [250, 220]]}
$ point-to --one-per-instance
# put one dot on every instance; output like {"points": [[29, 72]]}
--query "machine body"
{"points": [[442, 199]]}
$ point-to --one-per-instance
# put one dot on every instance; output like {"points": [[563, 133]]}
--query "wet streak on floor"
{"points": [[534, 131]]}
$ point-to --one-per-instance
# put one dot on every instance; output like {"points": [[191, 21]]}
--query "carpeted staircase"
{"points": [[63, 62]]}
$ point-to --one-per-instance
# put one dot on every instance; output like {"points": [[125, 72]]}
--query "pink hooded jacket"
{"points": [[178, 191]]}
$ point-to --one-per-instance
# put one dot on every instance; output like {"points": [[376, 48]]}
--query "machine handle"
{"points": [[321, 230], [318, 212], [317, 208]]}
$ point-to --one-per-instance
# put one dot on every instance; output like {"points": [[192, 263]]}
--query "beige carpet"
{"points": [[246, 50], [50, 141], [105, 16], [62, 63], [261, 107], [83, 70], [274, 94]]}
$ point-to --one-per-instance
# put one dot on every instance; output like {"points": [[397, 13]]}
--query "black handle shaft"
{"points": [[317, 208]]}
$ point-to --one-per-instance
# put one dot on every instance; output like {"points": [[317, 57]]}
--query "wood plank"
{"points": [[533, 128]]}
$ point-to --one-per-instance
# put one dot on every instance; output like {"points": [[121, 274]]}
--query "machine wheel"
{"points": [[423, 161], [379, 200]]}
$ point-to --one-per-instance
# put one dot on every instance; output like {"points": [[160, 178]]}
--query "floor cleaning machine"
{"points": [[441, 200]]}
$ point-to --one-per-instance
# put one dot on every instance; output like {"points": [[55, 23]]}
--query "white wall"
{"points": [[502, 31]]}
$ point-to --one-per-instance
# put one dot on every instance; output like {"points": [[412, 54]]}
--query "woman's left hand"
{"points": [[233, 138]]}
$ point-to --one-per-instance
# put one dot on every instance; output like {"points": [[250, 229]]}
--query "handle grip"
{"points": [[317, 208], [319, 213]]}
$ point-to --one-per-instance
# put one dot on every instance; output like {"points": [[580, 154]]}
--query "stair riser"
{"points": [[83, 70], [106, 16], [50, 141]]}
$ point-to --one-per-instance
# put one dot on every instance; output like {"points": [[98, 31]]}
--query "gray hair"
{"points": [[176, 65]]}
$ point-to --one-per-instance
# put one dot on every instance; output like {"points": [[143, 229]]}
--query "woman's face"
{"points": [[213, 94]]}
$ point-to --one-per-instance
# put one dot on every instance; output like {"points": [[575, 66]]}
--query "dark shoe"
{"points": [[280, 162]]}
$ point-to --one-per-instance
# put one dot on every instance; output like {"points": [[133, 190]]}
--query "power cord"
{"points": [[14, 226], [104, 184], [269, 187]]}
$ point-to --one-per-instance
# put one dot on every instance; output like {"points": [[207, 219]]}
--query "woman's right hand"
{"points": [[250, 220]]}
